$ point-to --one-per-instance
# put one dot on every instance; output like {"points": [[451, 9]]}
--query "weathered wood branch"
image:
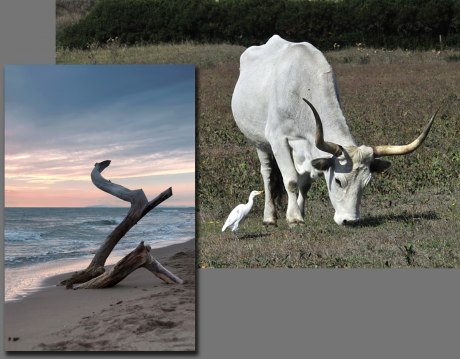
{"points": [[140, 206], [157, 200], [137, 211], [112, 188], [161, 272], [139, 257]]}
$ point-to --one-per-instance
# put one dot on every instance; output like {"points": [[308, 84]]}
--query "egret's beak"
{"points": [[260, 192]]}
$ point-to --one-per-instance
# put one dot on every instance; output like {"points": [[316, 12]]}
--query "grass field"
{"points": [[410, 214]]}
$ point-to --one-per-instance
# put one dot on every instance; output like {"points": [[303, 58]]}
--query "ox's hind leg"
{"points": [[304, 186], [266, 171], [282, 153]]}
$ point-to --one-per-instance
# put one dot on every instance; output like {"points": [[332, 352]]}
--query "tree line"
{"points": [[413, 24]]}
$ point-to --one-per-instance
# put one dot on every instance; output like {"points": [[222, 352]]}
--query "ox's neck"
{"points": [[335, 126], [326, 98]]}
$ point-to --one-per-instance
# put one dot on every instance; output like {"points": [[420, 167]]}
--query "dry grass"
{"points": [[363, 56], [202, 55], [411, 214]]}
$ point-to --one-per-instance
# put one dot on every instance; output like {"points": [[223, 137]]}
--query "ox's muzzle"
{"points": [[346, 220]]}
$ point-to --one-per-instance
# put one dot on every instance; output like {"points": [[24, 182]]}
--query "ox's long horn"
{"points": [[325, 146], [390, 150]]}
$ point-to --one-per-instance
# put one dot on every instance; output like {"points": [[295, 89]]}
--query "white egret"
{"points": [[238, 213]]}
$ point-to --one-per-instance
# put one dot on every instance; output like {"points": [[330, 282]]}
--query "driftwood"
{"points": [[139, 257], [140, 206]]}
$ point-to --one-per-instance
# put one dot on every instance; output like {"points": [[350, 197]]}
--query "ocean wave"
{"points": [[50, 234], [15, 261], [102, 222], [22, 236]]}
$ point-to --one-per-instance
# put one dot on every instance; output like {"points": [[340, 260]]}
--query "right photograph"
{"points": [[327, 131]]}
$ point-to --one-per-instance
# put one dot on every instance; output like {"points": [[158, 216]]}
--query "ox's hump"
{"points": [[277, 49]]}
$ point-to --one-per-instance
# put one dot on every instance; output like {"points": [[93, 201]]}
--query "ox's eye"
{"points": [[337, 181]]}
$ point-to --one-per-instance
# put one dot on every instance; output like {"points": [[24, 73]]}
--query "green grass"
{"points": [[411, 214], [407, 235]]}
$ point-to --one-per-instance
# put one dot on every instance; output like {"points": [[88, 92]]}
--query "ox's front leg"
{"points": [[304, 186], [282, 153], [266, 171]]}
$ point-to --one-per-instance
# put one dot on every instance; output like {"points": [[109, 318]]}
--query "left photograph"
{"points": [[99, 208]]}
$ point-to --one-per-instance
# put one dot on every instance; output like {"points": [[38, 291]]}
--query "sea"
{"points": [[40, 242]]}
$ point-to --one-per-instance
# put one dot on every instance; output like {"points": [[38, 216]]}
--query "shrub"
{"points": [[377, 23]]}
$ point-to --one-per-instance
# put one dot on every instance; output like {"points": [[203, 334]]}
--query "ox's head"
{"points": [[350, 169]]}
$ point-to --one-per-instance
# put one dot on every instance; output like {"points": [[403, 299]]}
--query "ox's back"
{"points": [[273, 79]]}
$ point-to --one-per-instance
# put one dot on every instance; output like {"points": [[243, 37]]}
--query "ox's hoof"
{"points": [[295, 221], [270, 222]]}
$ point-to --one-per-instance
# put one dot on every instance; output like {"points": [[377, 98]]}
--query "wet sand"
{"points": [[142, 313]]}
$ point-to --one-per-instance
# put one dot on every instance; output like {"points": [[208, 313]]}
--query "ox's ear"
{"points": [[322, 164], [378, 165]]}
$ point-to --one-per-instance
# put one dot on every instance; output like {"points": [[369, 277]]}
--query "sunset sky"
{"points": [[62, 119]]}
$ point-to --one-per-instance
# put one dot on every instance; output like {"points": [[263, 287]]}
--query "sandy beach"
{"points": [[142, 313]]}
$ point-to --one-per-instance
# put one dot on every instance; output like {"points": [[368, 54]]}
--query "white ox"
{"points": [[268, 109]]}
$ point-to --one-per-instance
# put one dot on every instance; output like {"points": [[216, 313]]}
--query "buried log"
{"points": [[140, 206], [139, 257]]}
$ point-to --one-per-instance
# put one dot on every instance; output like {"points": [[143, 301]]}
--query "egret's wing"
{"points": [[234, 216]]}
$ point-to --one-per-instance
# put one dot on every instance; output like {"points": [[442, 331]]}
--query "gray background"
{"points": [[286, 313]]}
